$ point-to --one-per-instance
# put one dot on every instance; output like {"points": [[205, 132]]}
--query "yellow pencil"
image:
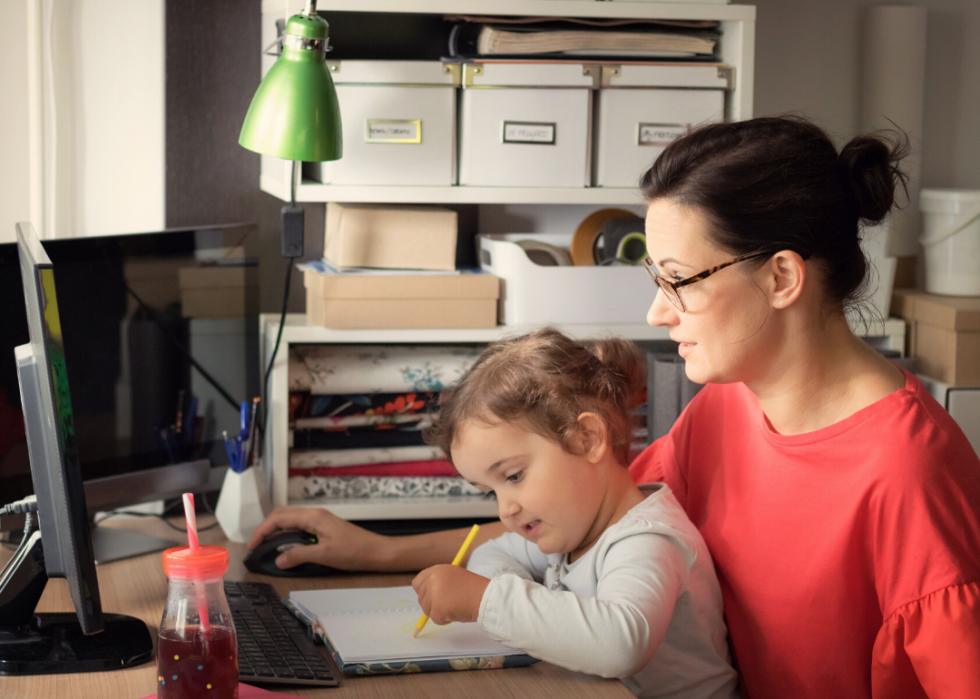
{"points": [[456, 561]]}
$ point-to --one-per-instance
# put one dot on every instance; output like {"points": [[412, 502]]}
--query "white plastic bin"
{"points": [[951, 241], [525, 125], [642, 109], [532, 294], [399, 120]]}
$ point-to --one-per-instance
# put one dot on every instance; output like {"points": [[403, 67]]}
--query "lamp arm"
{"points": [[310, 8]]}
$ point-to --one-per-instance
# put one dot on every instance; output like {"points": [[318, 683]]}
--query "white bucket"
{"points": [[951, 240]]}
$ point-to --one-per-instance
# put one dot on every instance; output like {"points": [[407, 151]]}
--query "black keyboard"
{"points": [[273, 645]]}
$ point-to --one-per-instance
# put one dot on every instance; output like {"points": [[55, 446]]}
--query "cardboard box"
{"points": [[218, 292], [465, 300], [944, 334], [962, 403], [390, 237]]}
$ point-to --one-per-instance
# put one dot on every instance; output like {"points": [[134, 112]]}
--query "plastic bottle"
{"points": [[197, 649]]}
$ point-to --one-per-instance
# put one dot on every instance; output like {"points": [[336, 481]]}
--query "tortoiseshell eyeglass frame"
{"points": [[670, 288]]}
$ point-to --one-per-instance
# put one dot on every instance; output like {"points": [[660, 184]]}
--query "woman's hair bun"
{"points": [[871, 167]]}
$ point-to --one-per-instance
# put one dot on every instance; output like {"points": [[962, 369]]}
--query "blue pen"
{"points": [[238, 454], [230, 451]]}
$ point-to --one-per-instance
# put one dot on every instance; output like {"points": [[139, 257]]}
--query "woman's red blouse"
{"points": [[849, 557]]}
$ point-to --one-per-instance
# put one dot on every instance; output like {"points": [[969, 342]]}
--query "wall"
{"points": [[808, 60], [213, 51], [14, 158]]}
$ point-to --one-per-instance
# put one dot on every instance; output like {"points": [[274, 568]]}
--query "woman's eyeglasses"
{"points": [[670, 288]]}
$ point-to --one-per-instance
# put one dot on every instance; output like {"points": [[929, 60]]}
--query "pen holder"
{"points": [[243, 504]]}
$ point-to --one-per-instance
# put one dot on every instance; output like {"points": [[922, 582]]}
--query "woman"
{"points": [[838, 499]]}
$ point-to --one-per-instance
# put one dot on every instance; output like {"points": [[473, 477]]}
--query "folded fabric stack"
{"points": [[357, 415]]}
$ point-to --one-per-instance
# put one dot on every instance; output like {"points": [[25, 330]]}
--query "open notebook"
{"points": [[369, 631]]}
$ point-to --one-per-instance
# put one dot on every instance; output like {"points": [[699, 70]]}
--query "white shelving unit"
{"points": [[276, 450], [737, 50], [890, 335]]}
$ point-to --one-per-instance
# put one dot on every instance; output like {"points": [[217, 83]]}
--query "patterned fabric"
{"points": [[418, 421], [358, 438], [305, 405], [347, 369], [355, 457], [376, 487], [425, 469]]}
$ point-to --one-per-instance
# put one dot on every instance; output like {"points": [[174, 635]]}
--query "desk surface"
{"points": [[138, 587]]}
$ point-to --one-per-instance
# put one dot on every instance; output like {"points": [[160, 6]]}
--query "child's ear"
{"points": [[593, 434]]}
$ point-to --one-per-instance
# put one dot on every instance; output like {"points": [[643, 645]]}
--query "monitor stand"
{"points": [[115, 544], [47, 644]]}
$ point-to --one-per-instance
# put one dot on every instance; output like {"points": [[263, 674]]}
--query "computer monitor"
{"points": [[89, 640], [150, 319]]}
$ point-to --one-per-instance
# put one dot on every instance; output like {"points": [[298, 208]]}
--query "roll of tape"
{"points": [[585, 236], [632, 248], [545, 254]]}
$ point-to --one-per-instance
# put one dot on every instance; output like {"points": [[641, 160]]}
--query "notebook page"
{"points": [[376, 625]]}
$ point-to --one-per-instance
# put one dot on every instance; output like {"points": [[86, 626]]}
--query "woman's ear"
{"points": [[786, 273], [593, 436]]}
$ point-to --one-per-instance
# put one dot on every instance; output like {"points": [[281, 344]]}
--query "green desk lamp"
{"points": [[294, 114]]}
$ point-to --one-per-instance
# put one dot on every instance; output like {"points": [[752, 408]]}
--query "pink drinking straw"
{"points": [[202, 605]]}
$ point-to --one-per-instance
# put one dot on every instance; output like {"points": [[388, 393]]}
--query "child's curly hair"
{"points": [[545, 380]]}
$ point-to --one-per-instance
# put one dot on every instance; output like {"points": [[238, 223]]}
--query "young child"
{"points": [[597, 576]]}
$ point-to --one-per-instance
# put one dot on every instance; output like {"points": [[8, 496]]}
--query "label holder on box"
{"points": [[659, 134], [393, 131], [539, 133]]}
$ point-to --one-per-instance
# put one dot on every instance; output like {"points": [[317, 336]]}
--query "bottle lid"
{"points": [[206, 562]]}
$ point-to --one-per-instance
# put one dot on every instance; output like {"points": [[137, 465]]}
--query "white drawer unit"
{"points": [[399, 120], [525, 125], [641, 109]]}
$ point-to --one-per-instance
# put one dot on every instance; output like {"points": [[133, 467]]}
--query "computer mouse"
{"points": [[262, 559]]}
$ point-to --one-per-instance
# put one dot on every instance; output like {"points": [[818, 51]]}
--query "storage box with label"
{"points": [[525, 125], [214, 291], [532, 294], [643, 108], [399, 122], [466, 299], [390, 236], [944, 334]]}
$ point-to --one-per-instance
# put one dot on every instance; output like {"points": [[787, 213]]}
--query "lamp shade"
{"points": [[294, 114]]}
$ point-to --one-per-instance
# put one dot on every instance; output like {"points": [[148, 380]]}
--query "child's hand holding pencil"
{"points": [[449, 593]]}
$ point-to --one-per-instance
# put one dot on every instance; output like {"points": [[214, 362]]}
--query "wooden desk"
{"points": [[138, 587]]}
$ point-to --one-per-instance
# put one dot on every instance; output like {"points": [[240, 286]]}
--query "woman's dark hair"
{"points": [[543, 381], [778, 183]]}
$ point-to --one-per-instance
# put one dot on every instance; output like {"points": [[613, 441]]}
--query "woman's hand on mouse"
{"points": [[450, 593], [339, 543]]}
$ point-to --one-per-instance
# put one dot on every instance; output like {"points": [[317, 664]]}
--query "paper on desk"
{"points": [[247, 691], [376, 625]]}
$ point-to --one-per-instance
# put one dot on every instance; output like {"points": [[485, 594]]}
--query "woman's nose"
{"points": [[662, 312]]}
